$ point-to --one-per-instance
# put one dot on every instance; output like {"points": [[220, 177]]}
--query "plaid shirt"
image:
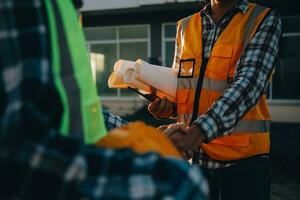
{"points": [[63, 168], [253, 71], [112, 121], [35, 161]]}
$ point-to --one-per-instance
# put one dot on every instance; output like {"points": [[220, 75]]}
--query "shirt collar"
{"points": [[242, 5]]}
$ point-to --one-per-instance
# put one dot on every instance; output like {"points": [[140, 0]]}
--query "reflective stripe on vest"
{"points": [[251, 24], [221, 67], [209, 84], [82, 113], [184, 24], [243, 126]]}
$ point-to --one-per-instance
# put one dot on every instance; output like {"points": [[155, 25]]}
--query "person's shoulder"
{"points": [[273, 17], [272, 12], [275, 14], [184, 21]]}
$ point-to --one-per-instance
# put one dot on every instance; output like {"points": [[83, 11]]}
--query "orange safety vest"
{"points": [[251, 134]]}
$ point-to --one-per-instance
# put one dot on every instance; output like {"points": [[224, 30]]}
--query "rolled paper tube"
{"points": [[161, 78], [130, 78], [123, 65], [115, 80], [162, 95], [140, 62]]}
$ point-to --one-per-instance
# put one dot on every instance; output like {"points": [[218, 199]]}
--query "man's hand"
{"points": [[163, 127], [173, 129], [161, 108], [185, 139]]}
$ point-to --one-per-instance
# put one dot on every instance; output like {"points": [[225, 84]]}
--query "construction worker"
{"points": [[43, 67], [225, 56]]}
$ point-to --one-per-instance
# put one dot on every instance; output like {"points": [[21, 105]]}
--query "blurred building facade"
{"points": [[131, 29]]}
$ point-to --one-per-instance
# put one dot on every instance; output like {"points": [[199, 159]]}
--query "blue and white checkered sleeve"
{"points": [[112, 121], [253, 72], [169, 179], [123, 174]]}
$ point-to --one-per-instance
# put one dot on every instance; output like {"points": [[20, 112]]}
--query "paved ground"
{"points": [[285, 178], [285, 151], [285, 188]]}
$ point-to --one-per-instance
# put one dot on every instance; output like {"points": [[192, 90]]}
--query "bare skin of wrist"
{"points": [[195, 130], [195, 139]]}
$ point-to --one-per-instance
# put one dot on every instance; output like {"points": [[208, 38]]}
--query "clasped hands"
{"points": [[186, 139]]}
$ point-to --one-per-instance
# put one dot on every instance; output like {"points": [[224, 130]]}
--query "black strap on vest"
{"points": [[195, 157], [198, 89]]}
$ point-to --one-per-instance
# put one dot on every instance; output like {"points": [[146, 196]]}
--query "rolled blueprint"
{"points": [[143, 76], [130, 78], [123, 65], [161, 78], [115, 80]]}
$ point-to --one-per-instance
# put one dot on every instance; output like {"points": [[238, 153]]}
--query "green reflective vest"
{"points": [[82, 114]]}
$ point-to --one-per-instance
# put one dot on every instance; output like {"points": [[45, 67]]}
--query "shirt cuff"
{"points": [[208, 126]]}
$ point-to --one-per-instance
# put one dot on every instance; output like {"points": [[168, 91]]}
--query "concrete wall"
{"points": [[280, 112], [285, 112], [123, 106]]}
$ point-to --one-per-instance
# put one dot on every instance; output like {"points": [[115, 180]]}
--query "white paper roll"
{"points": [[162, 78], [115, 80], [130, 78], [143, 76], [123, 65]]}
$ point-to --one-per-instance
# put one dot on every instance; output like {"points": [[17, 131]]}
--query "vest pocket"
{"points": [[219, 62]]}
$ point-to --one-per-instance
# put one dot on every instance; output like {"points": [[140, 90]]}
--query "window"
{"points": [[286, 80], [168, 43], [108, 44]]}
